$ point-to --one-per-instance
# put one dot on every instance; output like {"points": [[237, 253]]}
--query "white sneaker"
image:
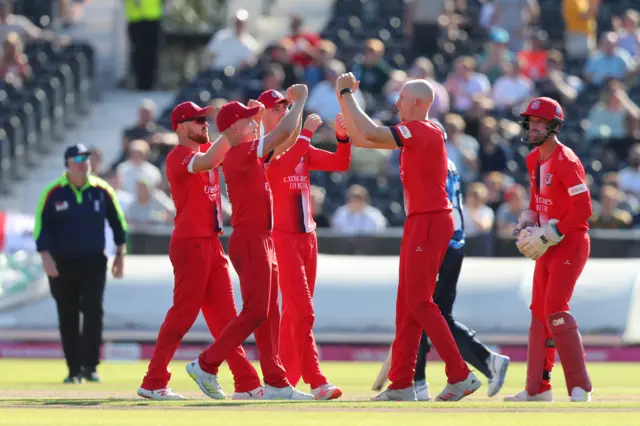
{"points": [[406, 394], [255, 394], [326, 392], [498, 365], [164, 394], [422, 390], [457, 391], [208, 383], [580, 395], [525, 397], [288, 393]]}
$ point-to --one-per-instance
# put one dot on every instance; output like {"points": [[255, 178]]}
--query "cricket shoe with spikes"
{"points": [[326, 392], [208, 383], [457, 391], [524, 396], [288, 393], [255, 394], [406, 394], [164, 394]]}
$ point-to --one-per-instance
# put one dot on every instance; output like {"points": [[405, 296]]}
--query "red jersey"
{"points": [[195, 195], [288, 176], [247, 186], [423, 167], [559, 189]]}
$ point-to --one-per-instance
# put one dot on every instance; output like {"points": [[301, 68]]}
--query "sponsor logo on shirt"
{"points": [[578, 189], [543, 204], [297, 182], [404, 131], [61, 205]]}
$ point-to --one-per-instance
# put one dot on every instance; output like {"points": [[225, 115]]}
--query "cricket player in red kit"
{"points": [[201, 270], [553, 232], [295, 240], [427, 232], [251, 248]]}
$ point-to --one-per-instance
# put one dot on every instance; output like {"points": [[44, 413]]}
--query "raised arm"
{"points": [[212, 158], [287, 126], [359, 124]]}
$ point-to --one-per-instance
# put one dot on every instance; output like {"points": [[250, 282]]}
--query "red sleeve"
{"points": [[573, 179], [415, 134], [179, 161], [290, 159], [338, 161]]}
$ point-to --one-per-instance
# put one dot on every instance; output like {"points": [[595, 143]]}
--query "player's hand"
{"points": [[49, 266], [253, 103], [298, 92], [528, 218], [117, 269], [341, 127], [312, 122], [347, 81], [537, 240]]}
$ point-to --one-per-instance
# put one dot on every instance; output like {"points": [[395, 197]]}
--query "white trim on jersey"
{"points": [[190, 165], [306, 138], [260, 147], [306, 202]]}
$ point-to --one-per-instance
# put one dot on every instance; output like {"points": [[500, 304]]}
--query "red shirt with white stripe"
{"points": [[247, 186], [288, 176], [195, 195], [559, 189], [423, 167]]}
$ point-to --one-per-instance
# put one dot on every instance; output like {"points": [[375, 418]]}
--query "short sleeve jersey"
{"points": [[423, 167], [555, 182], [196, 195], [248, 187]]}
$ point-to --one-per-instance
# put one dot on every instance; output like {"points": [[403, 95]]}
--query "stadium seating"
{"points": [[35, 115], [353, 21]]}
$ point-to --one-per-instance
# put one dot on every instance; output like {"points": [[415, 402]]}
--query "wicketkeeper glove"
{"points": [[536, 240]]}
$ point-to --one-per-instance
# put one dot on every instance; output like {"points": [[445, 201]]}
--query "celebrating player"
{"points": [[251, 248], [427, 232], [201, 270], [553, 232], [295, 240]]}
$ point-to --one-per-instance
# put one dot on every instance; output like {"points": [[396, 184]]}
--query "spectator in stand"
{"points": [[96, 160], [462, 149], [493, 156], [233, 47], [628, 32], [318, 195], [27, 30], [558, 84], [465, 82], [628, 201], [422, 69], [14, 65], [630, 175], [278, 54], [273, 79], [478, 217], [357, 216], [580, 27], [610, 61], [515, 202], [137, 167], [513, 88], [497, 56], [322, 98], [316, 71], [481, 107], [304, 44], [614, 118], [124, 198], [610, 215], [534, 58], [151, 207], [515, 16], [422, 24], [373, 72], [496, 184]]}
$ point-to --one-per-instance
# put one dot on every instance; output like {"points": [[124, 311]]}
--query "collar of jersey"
{"points": [[91, 182]]}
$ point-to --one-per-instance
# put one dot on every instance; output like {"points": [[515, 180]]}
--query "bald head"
{"points": [[415, 100], [419, 89]]}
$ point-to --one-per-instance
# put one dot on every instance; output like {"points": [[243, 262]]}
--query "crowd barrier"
{"points": [[605, 243]]}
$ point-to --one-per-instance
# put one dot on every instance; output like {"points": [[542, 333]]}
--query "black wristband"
{"points": [[345, 140], [343, 91]]}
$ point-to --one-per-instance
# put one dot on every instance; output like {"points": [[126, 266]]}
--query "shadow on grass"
{"points": [[124, 402]]}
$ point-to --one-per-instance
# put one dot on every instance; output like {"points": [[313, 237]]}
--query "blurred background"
{"points": [[105, 74]]}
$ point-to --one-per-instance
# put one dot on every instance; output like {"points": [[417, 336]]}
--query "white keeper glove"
{"points": [[528, 218], [535, 241]]}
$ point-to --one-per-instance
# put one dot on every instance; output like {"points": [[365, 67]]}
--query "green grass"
{"points": [[31, 393]]}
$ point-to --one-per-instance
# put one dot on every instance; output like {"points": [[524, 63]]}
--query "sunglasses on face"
{"points": [[78, 159], [199, 120]]}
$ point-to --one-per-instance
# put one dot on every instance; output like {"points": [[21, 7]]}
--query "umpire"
{"points": [[70, 237]]}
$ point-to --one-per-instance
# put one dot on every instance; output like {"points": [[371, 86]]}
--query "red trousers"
{"points": [[425, 240], [297, 260], [554, 279], [201, 281], [253, 256]]}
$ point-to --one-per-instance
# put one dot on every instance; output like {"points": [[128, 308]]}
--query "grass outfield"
{"points": [[31, 393]]}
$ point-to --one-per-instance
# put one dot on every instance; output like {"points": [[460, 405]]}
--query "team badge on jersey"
{"points": [[549, 179], [404, 131]]}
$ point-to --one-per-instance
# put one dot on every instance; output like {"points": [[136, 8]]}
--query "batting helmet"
{"points": [[546, 108]]}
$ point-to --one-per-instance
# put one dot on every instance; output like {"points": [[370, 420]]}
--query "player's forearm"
{"points": [[580, 211], [326, 161], [285, 128], [361, 123], [212, 158]]}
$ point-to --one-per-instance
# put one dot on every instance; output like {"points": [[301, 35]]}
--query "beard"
{"points": [[200, 138]]}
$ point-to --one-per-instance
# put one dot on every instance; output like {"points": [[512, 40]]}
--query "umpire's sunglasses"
{"points": [[200, 120], [80, 159]]}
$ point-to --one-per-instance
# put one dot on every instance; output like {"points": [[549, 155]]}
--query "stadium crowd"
{"points": [[485, 59]]}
